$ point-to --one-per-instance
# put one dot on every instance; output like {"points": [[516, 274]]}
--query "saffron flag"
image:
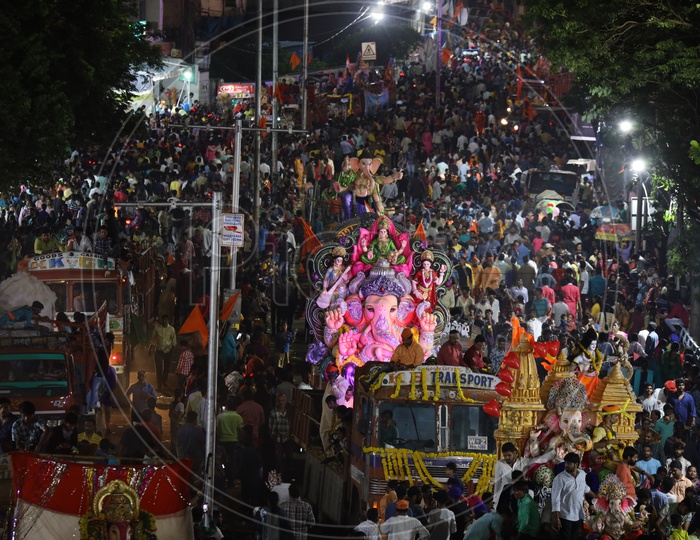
{"points": [[311, 242], [52, 495], [294, 60], [420, 232], [195, 323], [446, 55], [519, 74], [347, 65]]}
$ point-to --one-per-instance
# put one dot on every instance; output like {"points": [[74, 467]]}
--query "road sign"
{"points": [[369, 50], [232, 230]]}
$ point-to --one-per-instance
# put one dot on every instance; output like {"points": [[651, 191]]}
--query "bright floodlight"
{"points": [[378, 16], [427, 6], [625, 126], [638, 165], [504, 121]]}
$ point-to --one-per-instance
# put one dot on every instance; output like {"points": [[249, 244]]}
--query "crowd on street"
{"points": [[462, 182]]}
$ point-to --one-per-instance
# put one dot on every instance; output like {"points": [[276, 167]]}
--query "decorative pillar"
{"points": [[560, 370], [615, 389], [522, 410]]}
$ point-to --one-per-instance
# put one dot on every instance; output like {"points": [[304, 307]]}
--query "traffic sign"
{"points": [[232, 230], [369, 50]]}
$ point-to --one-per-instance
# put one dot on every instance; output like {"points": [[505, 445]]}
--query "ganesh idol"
{"points": [[358, 185], [379, 309], [116, 516], [563, 429]]}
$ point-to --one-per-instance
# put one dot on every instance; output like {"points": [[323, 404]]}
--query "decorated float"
{"points": [[375, 286]]}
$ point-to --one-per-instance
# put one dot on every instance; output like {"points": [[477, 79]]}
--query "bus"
{"points": [[439, 413]]}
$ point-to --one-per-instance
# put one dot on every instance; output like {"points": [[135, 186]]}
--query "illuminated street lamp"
{"points": [[377, 15], [625, 126], [638, 165]]}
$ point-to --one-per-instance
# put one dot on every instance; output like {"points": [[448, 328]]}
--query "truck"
{"points": [[565, 183], [440, 416], [83, 281], [50, 369]]}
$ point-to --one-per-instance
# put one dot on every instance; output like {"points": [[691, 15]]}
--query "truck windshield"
{"points": [[471, 429], [88, 297], [36, 374], [562, 182], [59, 289], [415, 426]]}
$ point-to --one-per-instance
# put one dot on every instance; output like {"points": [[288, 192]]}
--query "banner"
{"points": [[374, 102]]}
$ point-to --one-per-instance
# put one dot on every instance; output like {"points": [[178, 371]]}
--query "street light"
{"points": [[427, 6], [638, 165], [625, 126], [378, 15]]}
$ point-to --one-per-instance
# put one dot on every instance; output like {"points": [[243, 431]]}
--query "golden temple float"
{"points": [[525, 408]]}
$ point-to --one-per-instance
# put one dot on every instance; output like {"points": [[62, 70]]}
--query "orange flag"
{"points": [[170, 258], [308, 58], [420, 232], [294, 60], [446, 55], [195, 323], [226, 310], [311, 242]]}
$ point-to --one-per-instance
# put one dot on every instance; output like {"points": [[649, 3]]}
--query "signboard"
{"points": [[237, 90], [447, 375], [477, 443], [232, 230], [70, 261], [369, 50]]}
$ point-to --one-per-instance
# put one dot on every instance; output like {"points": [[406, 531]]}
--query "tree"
{"points": [[66, 78], [643, 58]]}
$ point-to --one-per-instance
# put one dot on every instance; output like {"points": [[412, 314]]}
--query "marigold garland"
{"points": [[397, 390], [396, 466], [412, 394], [424, 383], [460, 392], [436, 397]]}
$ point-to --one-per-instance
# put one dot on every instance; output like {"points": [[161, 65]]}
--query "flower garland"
{"points": [[460, 392], [595, 360], [424, 383], [436, 397], [377, 384], [412, 393], [397, 390], [396, 466]]}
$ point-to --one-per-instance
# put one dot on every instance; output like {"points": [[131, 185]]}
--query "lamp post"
{"points": [[638, 166]]}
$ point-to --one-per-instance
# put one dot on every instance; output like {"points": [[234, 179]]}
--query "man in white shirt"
{"points": [[568, 490], [519, 290], [369, 527], [503, 471], [403, 527]]}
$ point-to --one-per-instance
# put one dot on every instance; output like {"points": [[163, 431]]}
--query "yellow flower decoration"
{"points": [[412, 394]]}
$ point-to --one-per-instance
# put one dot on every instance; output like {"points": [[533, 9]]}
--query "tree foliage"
{"points": [[637, 58], [66, 78]]}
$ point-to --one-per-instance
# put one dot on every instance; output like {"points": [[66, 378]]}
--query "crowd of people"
{"points": [[462, 182]]}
